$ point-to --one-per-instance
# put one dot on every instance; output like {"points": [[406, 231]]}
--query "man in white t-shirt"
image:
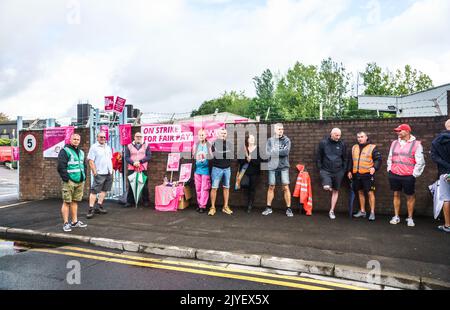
{"points": [[99, 157]]}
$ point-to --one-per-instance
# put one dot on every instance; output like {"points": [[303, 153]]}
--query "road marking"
{"points": [[195, 265], [182, 269], [14, 204], [212, 267]]}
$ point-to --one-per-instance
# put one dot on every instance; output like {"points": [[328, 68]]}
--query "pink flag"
{"points": [[109, 103], [119, 105], [125, 134], [15, 151], [69, 132], [105, 129]]}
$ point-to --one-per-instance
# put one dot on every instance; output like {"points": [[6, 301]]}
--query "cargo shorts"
{"points": [[72, 191]]}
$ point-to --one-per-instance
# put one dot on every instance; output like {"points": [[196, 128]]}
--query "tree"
{"points": [[297, 93], [232, 102], [411, 81], [264, 103], [379, 83], [333, 87], [3, 117]]}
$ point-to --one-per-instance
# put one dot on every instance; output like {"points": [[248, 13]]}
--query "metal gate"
{"points": [[98, 119]]}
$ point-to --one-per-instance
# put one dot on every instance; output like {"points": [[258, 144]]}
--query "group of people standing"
{"points": [[213, 161]]}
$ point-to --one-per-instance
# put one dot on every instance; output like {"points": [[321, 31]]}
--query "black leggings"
{"points": [[251, 191]]}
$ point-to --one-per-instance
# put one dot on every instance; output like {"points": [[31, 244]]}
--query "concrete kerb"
{"points": [[168, 250], [297, 265], [25, 234], [432, 284], [288, 264], [229, 257], [384, 278]]}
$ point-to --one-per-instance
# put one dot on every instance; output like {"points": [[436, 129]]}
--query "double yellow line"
{"points": [[196, 268]]}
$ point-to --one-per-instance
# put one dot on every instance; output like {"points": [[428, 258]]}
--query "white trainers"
{"points": [[332, 216], [395, 220], [410, 222]]}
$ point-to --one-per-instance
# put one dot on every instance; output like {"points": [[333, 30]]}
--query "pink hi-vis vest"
{"points": [[137, 155], [403, 160]]}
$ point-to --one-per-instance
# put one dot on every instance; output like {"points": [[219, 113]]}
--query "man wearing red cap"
{"points": [[405, 164]]}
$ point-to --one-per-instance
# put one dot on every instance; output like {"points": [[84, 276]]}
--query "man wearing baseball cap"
{"points": [[405, 163]]}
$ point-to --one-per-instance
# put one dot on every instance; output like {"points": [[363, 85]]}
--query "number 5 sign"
{"points": [[29, 143]]}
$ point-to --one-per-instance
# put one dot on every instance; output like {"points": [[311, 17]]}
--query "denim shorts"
{"points": [[274, 175], [218, 174]]}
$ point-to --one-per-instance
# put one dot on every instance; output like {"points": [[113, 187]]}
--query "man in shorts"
{"points": [[278, 148], [440, 154], [222, 151], [72, 170], [364, 161], [332, 164], [100, 155], [405, 163]]}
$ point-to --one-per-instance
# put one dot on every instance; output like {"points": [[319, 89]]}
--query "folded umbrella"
{"points": [[137, 183], [351, 199]]}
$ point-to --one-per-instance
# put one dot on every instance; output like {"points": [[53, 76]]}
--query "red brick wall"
{"points": [[38, 176], [304, 136]]}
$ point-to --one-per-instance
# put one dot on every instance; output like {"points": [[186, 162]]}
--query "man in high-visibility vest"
{"points": [[72, 170], [405, 163], [137, 156], [364, 161]]}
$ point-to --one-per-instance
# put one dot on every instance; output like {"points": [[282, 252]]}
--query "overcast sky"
{"points": [[170, 56]]}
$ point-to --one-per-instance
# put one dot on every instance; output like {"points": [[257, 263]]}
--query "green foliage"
{"points": [[301, 92], [381, 83], [232, 102], [3, 117], [5, 141]]}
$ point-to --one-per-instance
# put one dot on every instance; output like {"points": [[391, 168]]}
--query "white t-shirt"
{"points": [[101, 155]]}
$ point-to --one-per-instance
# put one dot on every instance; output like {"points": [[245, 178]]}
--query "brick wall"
{"points": [[304, 136], [38, 176]]}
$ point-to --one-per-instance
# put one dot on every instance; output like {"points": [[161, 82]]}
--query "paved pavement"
{"points": [[36, 267], [8, 184], [420, 251]]}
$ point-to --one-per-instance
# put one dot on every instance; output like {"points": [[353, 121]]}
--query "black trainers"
{"points": [[90, 213], [100, 210]]}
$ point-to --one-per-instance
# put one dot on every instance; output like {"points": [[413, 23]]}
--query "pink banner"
{"points": [[105, 129], [15, 152], [178, 137], [125, 134], [119, 105], [55, 139], [109, 103]]}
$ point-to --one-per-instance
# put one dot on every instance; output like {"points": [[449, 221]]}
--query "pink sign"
{"points": [[125, 134], [185, 172], [109, 103], [55, 139], [173, 162], [15, 152], [179, 137], [119, 105], [105, 129]]}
